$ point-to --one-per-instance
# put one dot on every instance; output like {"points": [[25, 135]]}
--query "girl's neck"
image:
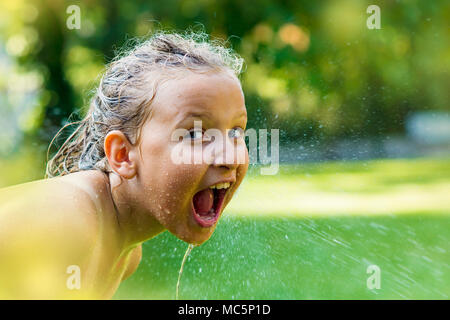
{"points": [[135, 225]]}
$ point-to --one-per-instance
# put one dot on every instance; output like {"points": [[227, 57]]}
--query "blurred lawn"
{"points": [[311, 231]]}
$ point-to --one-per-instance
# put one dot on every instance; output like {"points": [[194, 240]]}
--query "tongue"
{"points": [[203, 201]]}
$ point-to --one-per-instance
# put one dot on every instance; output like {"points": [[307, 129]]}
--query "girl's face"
{"points": [[178, 194]]}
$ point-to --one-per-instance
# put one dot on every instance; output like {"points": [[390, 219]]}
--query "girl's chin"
{"points": [[195, 234], [195, 238], [189, 231]]}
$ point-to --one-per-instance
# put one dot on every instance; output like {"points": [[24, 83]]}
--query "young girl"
{"points": [[114, 183]]}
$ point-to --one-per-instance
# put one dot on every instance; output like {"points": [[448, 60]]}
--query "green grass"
{"points": [[347, 188], [276, 240]]}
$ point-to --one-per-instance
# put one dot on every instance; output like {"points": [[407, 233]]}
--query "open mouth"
{"points": [[208, 203]]}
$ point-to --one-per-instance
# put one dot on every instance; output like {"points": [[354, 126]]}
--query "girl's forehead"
{"points": [[197, 92]]}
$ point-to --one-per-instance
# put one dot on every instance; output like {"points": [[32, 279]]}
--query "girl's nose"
{"points": [[228, 154], [226, 164]]}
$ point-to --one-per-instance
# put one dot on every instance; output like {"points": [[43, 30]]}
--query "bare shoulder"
{"points": [[42, 198], [60, 209], [46, 225]]}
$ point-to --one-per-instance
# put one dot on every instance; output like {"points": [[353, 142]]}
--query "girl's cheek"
{"points": [[182, 153], [243, 157], [183, 178], [243, 167]]}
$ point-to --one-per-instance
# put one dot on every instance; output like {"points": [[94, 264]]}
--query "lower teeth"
{"points": [[209, 214]]}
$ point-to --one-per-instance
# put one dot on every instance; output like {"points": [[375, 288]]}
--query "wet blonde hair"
{"points": [[123, 98]]}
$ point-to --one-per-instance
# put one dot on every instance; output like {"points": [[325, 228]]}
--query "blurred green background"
{"points": [[364, 138]]}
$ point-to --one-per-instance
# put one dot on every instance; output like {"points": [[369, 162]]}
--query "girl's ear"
{"points": [[119, 152]]}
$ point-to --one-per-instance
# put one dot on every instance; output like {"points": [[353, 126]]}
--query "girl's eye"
{"points": [[236, 133], [194, 135]]}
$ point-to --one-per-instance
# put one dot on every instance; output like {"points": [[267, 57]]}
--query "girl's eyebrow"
{"points": [[205, 114], [198, 114], [195, 114]]}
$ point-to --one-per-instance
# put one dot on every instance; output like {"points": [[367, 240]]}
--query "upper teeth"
{"points": [[224, 185]]}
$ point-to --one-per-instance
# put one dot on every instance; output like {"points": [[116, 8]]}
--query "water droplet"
{"points": [[186, 254]]}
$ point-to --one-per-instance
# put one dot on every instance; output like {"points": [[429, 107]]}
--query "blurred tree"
{"points": [[313, 69]]}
